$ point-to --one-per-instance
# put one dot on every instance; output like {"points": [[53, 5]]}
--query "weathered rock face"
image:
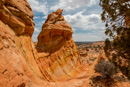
{"points": [[58, 54], [102, 55], [83, 56], [18, 66], [18, 15], [83, 52], [55, 32]]}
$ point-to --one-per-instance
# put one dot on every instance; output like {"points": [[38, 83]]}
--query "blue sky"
{"points": [[82, 15]]}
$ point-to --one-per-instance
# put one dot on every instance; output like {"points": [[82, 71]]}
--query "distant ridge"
{"points": [[86, 42]]}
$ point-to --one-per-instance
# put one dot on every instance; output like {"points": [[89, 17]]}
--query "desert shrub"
{"points": [[98, 46], [105, 68], [96, 49], [87, 48], [106, 71]]}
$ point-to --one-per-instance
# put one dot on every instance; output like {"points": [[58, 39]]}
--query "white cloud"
{"points": [[85, 22], [34, 37], [72, 4], [88, 37], [39, 6], [74, 29], [37, 30], [45, 17], [36, 17], [40, 23]]}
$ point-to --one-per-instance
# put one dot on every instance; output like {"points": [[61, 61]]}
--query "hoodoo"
{"points": [[58, 54]]}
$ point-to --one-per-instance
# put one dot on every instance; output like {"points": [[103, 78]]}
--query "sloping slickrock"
{"points": [[18, 66], [59, 57]]}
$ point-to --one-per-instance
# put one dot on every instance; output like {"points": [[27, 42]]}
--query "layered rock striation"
{"points": [[18, 15], [58, 55], [20, 63], [18, 66]]}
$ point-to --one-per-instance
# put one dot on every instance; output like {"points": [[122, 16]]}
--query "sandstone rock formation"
{"points": [[83, 52], [58, 54], [83, 56], [102, 55], [57, 57], [18, 15], [18, 65]]}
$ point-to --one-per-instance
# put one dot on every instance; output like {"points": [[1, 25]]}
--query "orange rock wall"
{"points": [[14, 69], [18, 65]]}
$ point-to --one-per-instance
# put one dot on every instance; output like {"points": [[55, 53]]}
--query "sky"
{"points": [[83, 16]]}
